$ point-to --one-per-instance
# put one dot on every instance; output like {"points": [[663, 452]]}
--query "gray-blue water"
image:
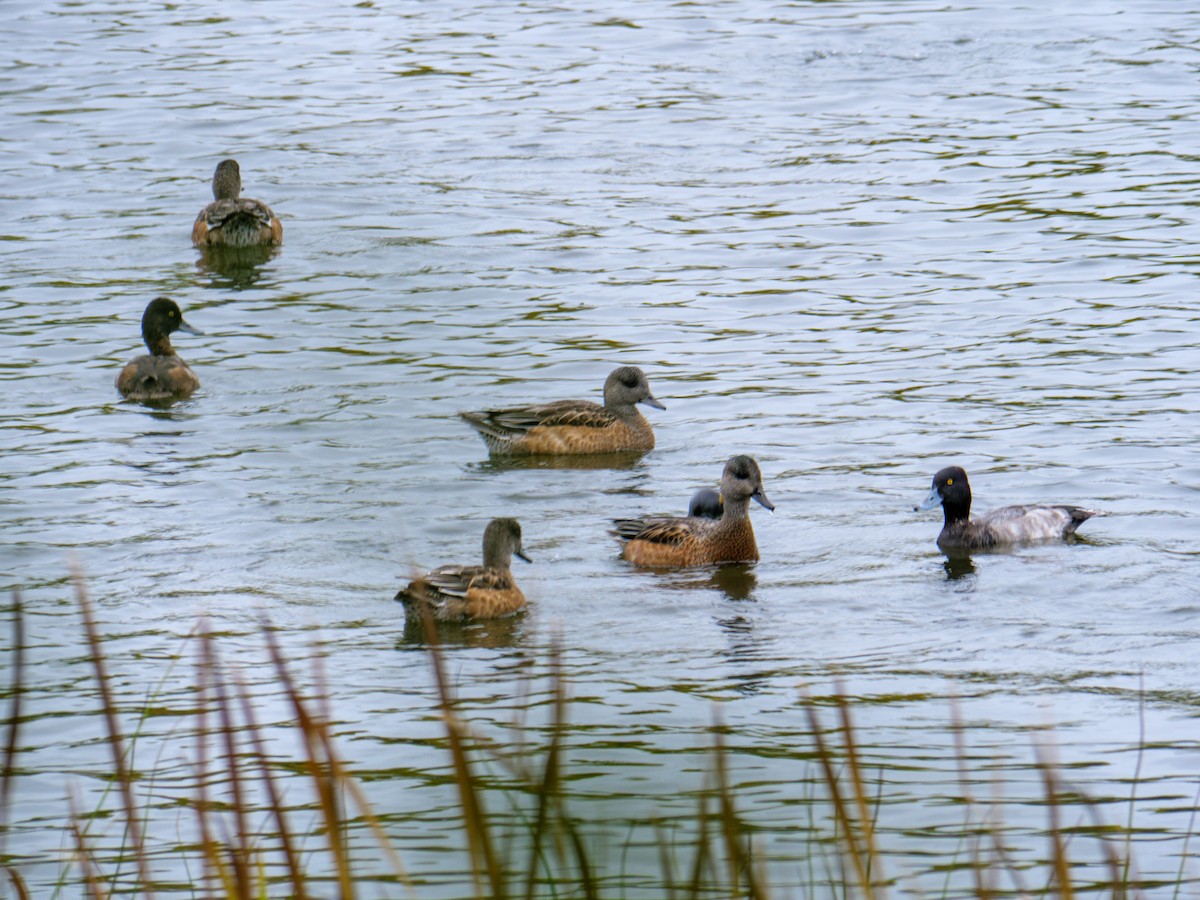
{"points": [[856, 240]]}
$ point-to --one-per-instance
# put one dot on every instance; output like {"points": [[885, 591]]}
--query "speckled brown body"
{"points": [[478, 593], [555, 434], [455, 593], [234, 221], [567, 427], [701, 545], [698, 540]]}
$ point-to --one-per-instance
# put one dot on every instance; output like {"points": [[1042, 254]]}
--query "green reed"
{"points": [[545, 854]]}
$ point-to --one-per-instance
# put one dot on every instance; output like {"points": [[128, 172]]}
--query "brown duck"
{"points": [[700, 540], [574, 426], [489, 591], [232, 220]]}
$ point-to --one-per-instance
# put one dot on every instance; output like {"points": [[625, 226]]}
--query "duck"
{"points": [[999, 527], [459, 593], [161, 374], [675, 542], [232, 220], [706, 504], [573, 426]]}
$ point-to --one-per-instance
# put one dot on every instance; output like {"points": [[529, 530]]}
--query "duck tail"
{"points": [[483, 422]]}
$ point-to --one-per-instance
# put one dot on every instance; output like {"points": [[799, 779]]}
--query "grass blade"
{"points": [[17, 882], [741, 862], [866, 822], [286, 841], [1058, 851], [115, 740], [840, 809], [483, 856], [318, 762], [87, 860], [239, 853], [17, 688]]}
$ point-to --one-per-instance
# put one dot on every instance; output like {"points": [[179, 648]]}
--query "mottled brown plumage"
{"points": [[699, 540], [161, 375], [473, 592], [232, 220], [573, 426]]}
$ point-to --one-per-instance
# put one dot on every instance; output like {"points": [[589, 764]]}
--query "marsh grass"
{"points": [[254, 843], [235, 860]]}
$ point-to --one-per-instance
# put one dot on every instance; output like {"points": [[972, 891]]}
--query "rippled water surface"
{"points": [[857, 240]]}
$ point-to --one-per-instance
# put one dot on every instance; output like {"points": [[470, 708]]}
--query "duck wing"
{"points": [[1013, 524], [509, 423], [455, 582], [671, 531], [219, 212]]}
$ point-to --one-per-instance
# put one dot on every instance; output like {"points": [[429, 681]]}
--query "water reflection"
{"points": [[158, 407], [745, 646], [169, 411], [621, 460], [736, 581], [235, 267], [959, 566], [490, 634]]}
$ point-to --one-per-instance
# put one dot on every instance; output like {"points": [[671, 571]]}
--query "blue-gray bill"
{"points": [[934, 499], [761, 497]]}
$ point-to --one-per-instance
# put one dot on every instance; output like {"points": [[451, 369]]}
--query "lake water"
{"points": [[857, 241]]}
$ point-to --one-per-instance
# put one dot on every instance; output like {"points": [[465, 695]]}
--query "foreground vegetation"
{"points": [[256, 840]]}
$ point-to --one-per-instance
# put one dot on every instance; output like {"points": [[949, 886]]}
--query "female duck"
{"points": [[574, 426], [160, 375], [473, 592], [699, 541], [1007, 525], [232, 220]]}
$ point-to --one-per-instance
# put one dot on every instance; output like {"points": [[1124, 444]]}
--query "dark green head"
{"points": [[162, 318], [952, 490]]}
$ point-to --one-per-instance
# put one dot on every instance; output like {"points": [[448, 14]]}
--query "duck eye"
{"points": [[949, 481]]}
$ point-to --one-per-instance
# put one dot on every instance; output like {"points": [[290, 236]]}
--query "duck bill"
{"points": [[184, 326], [934, 499], [520, 554], [761, 497], [650, 401]]}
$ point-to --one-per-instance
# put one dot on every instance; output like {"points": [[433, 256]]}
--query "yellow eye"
{"points": [[949, 481]]}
